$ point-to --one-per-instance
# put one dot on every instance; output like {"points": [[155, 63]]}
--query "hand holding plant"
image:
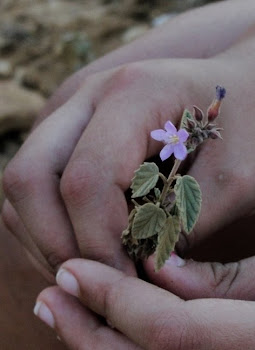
{"points": [[157, 219]]}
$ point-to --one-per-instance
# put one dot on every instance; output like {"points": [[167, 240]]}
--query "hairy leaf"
{"points": [[188, 201], [145, 179], [148, 221], [157, 192], [186, 115], [166, 241], [127, 231]]}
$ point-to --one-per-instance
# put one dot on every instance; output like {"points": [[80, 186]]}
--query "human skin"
{"points": [[150, 318], [141, 315], [19, 285], [178, 45], [32, 180]]}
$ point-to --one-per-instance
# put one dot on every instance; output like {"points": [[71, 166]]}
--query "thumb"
{"points": [[191, 279]]}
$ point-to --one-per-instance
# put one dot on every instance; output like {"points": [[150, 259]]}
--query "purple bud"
{"points": [[215, 134], [190, 123], [220, 92], [198, 114], [214, 109]]}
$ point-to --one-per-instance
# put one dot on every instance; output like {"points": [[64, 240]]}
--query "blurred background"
{"points": [[44, 41]]}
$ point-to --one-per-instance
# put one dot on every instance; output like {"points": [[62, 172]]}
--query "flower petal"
{"points": [[166, 152], [183, 135], [220, 92], [180, 151], [158, 135], [169, 126]]}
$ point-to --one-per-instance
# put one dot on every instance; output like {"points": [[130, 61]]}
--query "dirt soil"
{"points": [[44, 41]]}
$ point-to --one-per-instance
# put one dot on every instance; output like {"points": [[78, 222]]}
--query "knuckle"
{"points": [[225, 277], [126, 76], [79, 183], [19, 180]]}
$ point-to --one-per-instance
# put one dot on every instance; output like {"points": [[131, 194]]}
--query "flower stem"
{"points": [[163, 178], [169, 180]]}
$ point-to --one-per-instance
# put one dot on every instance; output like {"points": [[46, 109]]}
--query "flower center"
{"points": [[174, 139]]}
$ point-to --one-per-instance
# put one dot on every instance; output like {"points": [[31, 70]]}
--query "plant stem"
{"points": [[163, 178], [169, 180]]}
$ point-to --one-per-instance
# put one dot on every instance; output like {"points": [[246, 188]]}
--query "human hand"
{"points": [[124, 112], [82, 164], [143, 316], [45, 202]]}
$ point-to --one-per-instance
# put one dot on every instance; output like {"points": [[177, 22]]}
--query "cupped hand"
{"points": [[67, 182], [139, 315]]}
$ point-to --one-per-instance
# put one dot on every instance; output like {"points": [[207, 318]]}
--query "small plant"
{"points": [[159, 216]]}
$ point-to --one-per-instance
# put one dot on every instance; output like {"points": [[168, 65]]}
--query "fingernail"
{"points": [[43, 312], [175, 260], [67, 282]]}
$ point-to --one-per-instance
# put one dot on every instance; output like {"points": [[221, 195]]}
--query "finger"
{"points": [[121, 306], [155, 318], [31, 180], [222, 182], [78, 327], [112, 147], [190, 279], [16, 227]]}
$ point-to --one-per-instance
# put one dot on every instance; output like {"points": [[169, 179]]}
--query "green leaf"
{"points": [[186, 115], [188, 201], [148, 221], [157, 192], [131, 216], [145, 179], [167, 238]]}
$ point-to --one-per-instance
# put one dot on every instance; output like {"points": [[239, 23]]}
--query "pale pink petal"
{"points": [[158, 135], [183, 135], [166, 152], [170, 127], [180, 151]]}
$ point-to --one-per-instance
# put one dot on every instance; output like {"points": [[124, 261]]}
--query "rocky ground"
{"points": [[44, 41]]}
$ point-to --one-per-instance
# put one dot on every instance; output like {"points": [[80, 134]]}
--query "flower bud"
{"points": [[210, 126], [191, 124], [214, 134], [198, 114], [220, 92], [214, 109]]}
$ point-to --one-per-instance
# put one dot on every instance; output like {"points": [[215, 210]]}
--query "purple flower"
{"points": [[220, 92], [173, 141]]}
